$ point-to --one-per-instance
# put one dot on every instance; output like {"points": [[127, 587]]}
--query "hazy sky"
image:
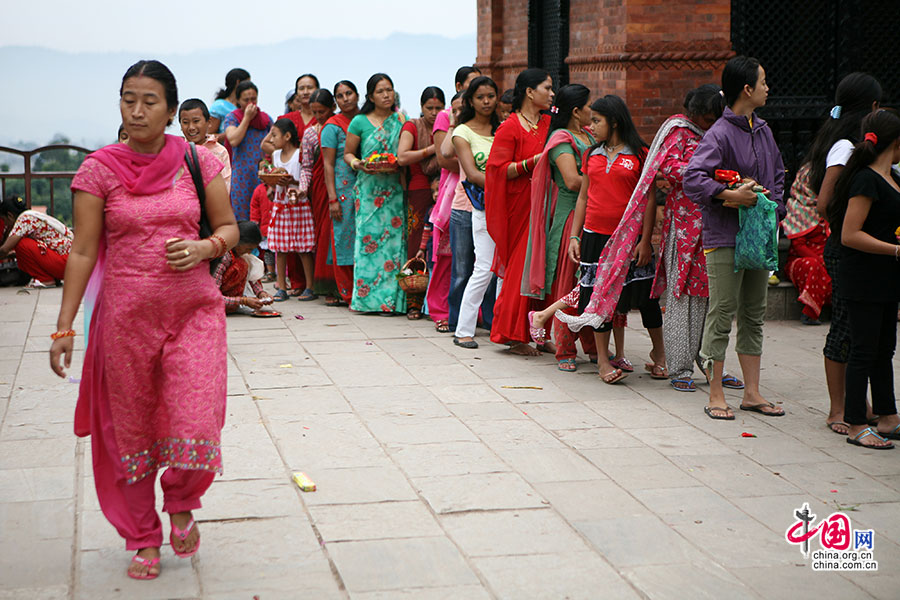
{"points": [[176, 25]]}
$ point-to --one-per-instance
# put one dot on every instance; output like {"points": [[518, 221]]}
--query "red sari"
{"points": [[508, 210], [806, 270], [297, 118], [323, 275], [343, 274]]}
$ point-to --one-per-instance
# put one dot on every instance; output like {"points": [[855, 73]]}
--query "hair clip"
{"points": [[871, 137], [836, 112], [722, 93], [554, 109]]}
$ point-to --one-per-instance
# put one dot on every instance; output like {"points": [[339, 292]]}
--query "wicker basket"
{"points": [[272, 178], [382, 167], [417, 283]]}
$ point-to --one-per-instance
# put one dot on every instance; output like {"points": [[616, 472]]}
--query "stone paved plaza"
{"points": [[445, 473]]}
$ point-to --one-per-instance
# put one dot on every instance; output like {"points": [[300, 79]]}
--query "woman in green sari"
{"points": [[380, 248], [554, 190]]}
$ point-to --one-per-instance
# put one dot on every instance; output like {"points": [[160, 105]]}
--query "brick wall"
{"points": [[649, 52]]}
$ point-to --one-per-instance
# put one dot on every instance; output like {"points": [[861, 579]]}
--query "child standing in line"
{"points": [[261, 214], [611, 171], [866, 210], [194, 119], [291, 228]]}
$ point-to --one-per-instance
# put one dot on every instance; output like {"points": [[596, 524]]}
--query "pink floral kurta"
{"points": [[154, 376], [683, 218]]}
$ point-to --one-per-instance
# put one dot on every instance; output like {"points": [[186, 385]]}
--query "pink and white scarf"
{"points": [[619, 250]]}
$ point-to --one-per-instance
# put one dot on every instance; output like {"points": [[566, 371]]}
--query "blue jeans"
{"points": [[462, 246]]}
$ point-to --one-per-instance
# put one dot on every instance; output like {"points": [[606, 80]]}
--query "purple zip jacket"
{"points": [[731, 144]]}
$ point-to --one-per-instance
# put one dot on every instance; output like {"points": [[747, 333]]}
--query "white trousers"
{"points": [[480, 279]]}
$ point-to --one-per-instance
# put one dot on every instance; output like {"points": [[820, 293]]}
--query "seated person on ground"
{"points": [[239, 273], [41, 243]]}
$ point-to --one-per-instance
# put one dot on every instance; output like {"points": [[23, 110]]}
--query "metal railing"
{"points": [[30, 175]]}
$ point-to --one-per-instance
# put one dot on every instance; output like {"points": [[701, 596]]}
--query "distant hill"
{"points": [[76, 94]]}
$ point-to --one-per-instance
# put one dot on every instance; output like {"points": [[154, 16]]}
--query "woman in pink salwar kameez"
{"points": [[154, 378]]}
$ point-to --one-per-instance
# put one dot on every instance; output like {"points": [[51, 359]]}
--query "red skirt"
{"points": [[510, 323]]}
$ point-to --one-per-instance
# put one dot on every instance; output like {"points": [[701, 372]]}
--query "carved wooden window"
{"points": [[548, 38]]}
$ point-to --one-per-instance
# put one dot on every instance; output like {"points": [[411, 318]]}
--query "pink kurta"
{"points": [[154, 376]]}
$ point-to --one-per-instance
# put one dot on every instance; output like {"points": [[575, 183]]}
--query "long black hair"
{"points": [[311, 76], [159, 72], [432, 91], [243, 87], [886, 126], [463, 73], [324, 97], [12, 205], [738, 72], [529, 78], [467, 112], [619, 119], [287, 127], [854, 97], [347, 83], [249, 233], [368, 106], [568, 98], [705, 100], [232, 78]]}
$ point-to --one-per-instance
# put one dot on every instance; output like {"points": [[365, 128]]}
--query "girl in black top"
{"points": [[866, 210]]}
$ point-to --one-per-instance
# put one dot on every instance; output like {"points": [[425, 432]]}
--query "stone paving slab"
{"points": [[447, 474]]}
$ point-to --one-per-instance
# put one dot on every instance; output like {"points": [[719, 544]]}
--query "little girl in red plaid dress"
{"points": [[292, 228]]}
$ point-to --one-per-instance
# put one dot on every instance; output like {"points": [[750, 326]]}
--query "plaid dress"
{"points": [[292, 228]]}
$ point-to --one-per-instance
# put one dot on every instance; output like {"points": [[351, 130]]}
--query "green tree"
{"points": [[54, 161]]}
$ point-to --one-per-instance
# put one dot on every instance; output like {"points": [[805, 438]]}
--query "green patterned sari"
{"points": [[380, 248]]}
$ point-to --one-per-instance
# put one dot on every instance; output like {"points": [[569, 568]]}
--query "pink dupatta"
{"points": [[618, 252], [543, 206]]}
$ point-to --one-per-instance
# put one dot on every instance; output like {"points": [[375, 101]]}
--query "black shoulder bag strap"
{"points": [[193, 163]]}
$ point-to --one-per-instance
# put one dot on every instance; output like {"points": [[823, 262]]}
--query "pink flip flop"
{"points": [[147, 562], [622, 363], [182, 535], [538, 334]]}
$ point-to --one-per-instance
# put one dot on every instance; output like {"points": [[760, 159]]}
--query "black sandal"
{"points": [[728, 416]]}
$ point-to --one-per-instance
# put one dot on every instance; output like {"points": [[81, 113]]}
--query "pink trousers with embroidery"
{"points": [[131, 508]]}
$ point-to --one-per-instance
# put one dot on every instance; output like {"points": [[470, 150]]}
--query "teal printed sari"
{"points": [[380, 248]]}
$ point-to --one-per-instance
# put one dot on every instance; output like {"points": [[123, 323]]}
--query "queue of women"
{"points": [[552, 205]]}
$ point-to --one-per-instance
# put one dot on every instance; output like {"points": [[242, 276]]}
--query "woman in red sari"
{"points": [[312, 181], [416, 150], [304, 88], [339, 181], [518, 144], [808, 232]]}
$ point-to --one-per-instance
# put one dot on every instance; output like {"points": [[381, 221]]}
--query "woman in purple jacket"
{"points": [[739, 141]]}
